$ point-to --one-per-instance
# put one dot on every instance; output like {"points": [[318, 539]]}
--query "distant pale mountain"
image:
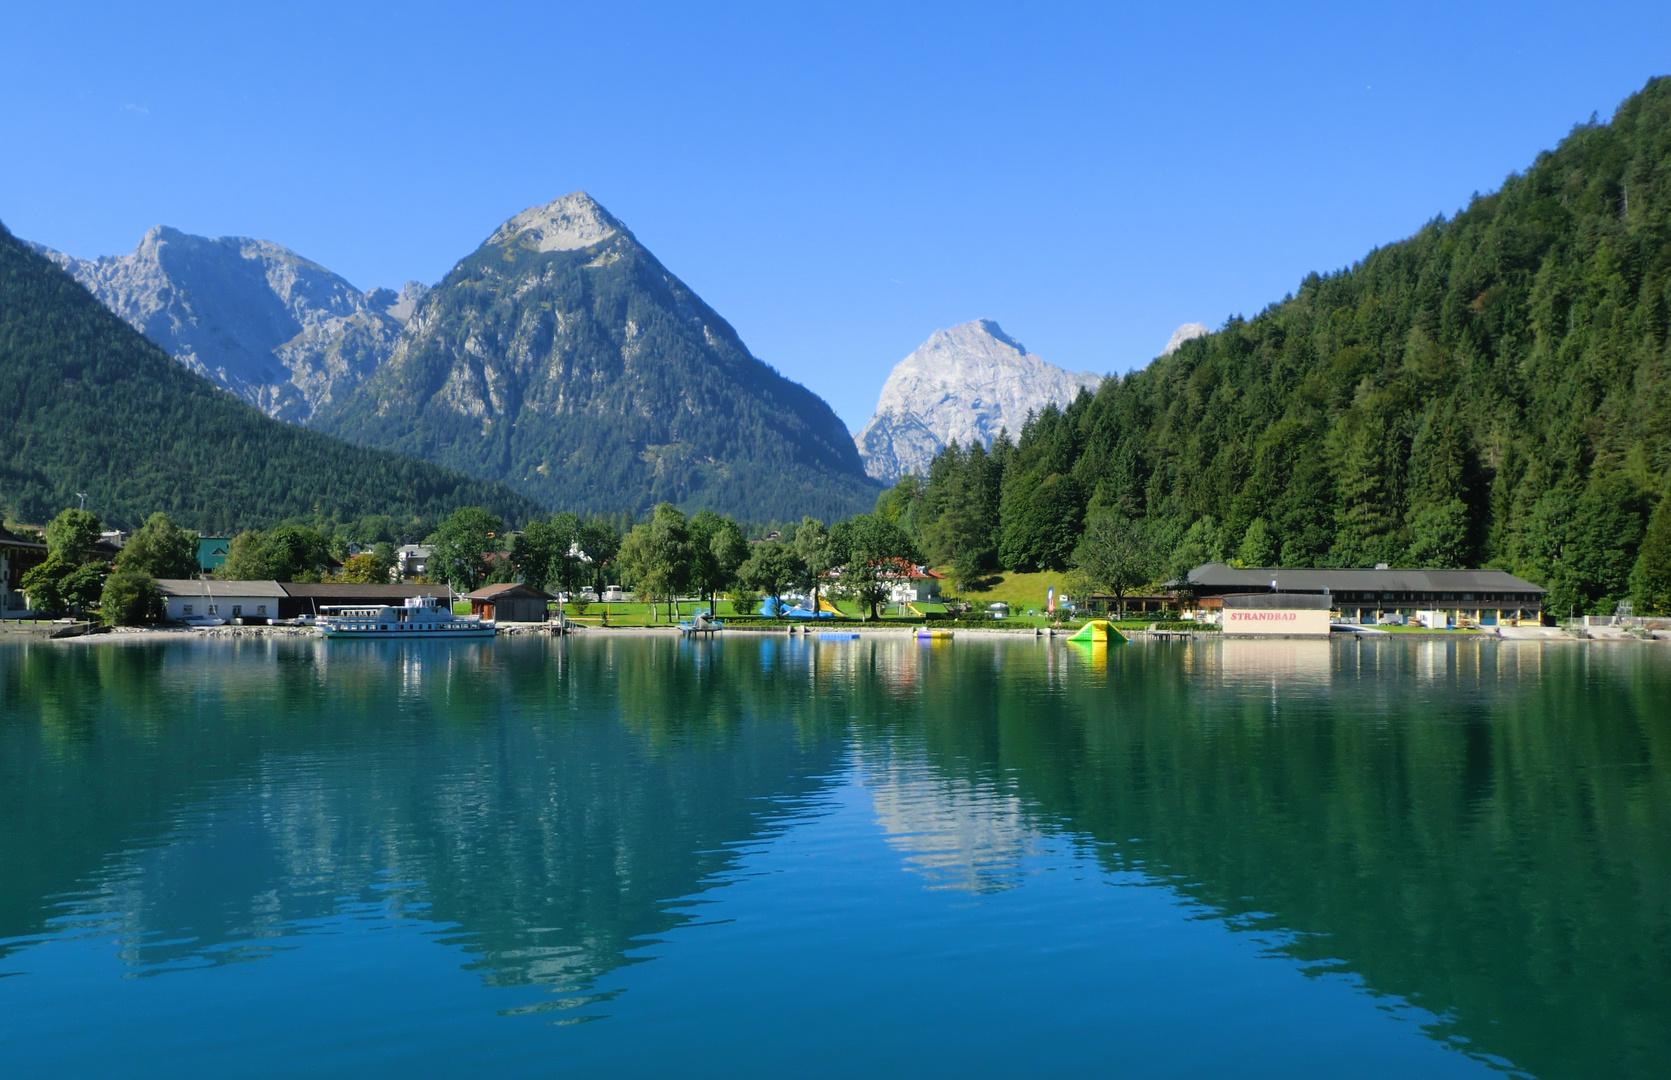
{"points": [[255, 318], [563, 359], [1187, 332], [93, 409], [964, 384]]}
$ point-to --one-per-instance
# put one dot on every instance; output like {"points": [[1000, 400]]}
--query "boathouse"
{"points": [[509, 602]]}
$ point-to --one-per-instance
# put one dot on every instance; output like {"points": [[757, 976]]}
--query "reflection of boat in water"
{"points": [[700, 623], [420, 617]]}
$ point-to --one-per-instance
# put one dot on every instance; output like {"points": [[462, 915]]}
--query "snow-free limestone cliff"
{"points": [[563, 359], [255, 318], [966, 383]]}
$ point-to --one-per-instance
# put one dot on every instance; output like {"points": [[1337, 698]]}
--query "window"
{"points": [[214, 609], [185, 610], [261, 609]]}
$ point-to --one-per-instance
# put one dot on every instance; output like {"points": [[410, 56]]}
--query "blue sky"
{"points": [[836, 180]]}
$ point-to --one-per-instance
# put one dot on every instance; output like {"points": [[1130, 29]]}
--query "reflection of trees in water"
{"points": [[212, 797], [1478, 827]]}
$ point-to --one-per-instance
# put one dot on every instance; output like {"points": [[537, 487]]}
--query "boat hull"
{"points": [[471, 634]]}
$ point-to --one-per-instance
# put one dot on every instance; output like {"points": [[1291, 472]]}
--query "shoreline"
{"points": [[40, 632]]}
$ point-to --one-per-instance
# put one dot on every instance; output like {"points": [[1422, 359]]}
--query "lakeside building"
{"points": [[196, 598], [307, 598], [1135, 604], [17, 557], [1281, 614], [1460, 597], [509, 602]]}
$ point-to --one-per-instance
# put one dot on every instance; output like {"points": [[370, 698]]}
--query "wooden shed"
{"points": [[510, 602]]}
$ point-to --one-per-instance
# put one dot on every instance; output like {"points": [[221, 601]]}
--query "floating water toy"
{"points": [[1098, 631]]}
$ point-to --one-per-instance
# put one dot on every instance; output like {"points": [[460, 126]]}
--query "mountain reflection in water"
{"points": [[1481, 829]]}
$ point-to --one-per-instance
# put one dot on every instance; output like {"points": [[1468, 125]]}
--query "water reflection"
{"points": [[196, 799], [1478, 828]]}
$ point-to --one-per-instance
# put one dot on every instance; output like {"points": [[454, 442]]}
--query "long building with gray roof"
{"points": [[1488, 596]]}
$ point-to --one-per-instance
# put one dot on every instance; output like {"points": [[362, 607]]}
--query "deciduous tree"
{"points": [[462, 544], [161, 549], [879, 554], [1114, 555]]}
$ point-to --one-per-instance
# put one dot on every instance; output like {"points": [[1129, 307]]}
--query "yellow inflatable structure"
{"points": [[1098, 632]]}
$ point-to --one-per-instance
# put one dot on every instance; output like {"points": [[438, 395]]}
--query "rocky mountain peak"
{"points": [[398, 306], [570, 223], [965, 383], [1187, 332], [254, 317]]}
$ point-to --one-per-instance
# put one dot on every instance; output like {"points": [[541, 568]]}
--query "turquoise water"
{"points": [[763, 856]]}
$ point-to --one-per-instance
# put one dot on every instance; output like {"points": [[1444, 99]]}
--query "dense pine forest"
{"points": [[1495, 390], [92, 406]]}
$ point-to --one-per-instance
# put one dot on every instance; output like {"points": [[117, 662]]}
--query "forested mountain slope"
{"points": [[90, 405], [1494, 390], [562, 358]]}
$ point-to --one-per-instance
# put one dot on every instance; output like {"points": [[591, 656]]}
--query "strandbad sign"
{"points": [[1313, 622]]}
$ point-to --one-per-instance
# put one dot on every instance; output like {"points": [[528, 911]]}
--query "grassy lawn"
{"points": [[1019, 591], [639, 614]]}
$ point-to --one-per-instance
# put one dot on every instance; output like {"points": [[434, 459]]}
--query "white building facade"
{"points": [[189, 598]]}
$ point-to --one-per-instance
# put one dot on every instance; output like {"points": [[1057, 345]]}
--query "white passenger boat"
{"points": [[421, 617]]}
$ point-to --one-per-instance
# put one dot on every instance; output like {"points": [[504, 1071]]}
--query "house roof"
{"points": [[12, 540], [515, 590], [1217, 577], [195, 587], [339, 591]]}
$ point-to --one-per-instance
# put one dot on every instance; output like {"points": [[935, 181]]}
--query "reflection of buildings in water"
{"points": [[1260, 660], [957, 833], [893, 661]]}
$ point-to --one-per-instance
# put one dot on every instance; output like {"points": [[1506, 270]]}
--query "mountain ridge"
{"points": [[561, 357], [96, 407], [273, 327]]}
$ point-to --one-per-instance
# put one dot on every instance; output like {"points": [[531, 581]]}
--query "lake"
{"points": [[760, 855]]}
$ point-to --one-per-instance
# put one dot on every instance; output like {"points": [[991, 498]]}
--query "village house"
{"points": [[212, 552], [17, 557], [195, 598], [412, 560], [918, 585]]}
